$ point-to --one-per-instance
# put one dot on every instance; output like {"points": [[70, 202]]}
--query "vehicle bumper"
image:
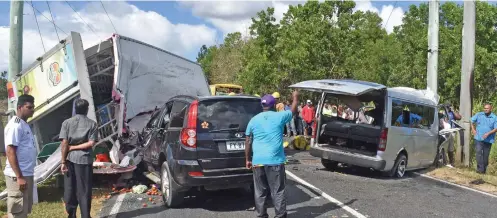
{"points": [[212, 179], [348, 158]]}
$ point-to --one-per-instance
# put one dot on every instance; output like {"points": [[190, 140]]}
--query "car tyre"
{"points": [[441, 159], [329, 164], [399, 168], [169, 188]]}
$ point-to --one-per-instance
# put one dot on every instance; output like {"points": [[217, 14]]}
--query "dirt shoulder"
{"points": [[464, 177]]}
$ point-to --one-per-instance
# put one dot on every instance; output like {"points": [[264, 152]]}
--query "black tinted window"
{"points": [[226, 113], [178, 114]]}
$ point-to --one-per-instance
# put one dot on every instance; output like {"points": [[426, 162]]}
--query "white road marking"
{"points": [[323, 194], [117, 205], [312, 195], [457, 185]]}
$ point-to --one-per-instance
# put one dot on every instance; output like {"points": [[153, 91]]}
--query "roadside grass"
{"points": [[463, 176], [50, 204]]}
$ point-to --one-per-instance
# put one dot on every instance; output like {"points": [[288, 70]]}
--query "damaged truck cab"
{"points": [[392, 130]]}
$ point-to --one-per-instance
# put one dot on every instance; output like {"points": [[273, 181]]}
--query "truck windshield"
{"points": [[221, 115]]}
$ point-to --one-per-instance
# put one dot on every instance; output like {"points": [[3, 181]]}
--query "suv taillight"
{"points": [[383, 140], [189, 134]]}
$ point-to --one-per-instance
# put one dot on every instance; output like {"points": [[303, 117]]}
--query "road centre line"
{"points": [[324, 195]]}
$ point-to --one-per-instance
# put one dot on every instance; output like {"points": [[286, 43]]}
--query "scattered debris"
{"points": [[153, 191], [139, 189]]}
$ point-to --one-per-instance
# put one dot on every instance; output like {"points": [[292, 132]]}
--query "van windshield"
{"points": [[219, 115]]}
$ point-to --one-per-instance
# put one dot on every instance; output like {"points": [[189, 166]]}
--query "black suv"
{"points": [[199, 142]]}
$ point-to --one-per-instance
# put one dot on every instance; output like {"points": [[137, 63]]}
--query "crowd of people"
{"points": [[301, 122]]}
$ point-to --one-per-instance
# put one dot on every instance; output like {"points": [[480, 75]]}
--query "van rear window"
{"points": [[226, 114]]}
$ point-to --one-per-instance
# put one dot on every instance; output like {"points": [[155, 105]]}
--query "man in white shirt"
{"points": [[21, 159]]}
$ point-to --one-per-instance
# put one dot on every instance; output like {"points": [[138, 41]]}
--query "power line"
{"points": [[39, 32], [82, 19], [47, 18], [391, 12], [53, 21], [108, 16]]}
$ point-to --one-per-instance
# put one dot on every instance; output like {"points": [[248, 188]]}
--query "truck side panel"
{"points": [[149, 76]]}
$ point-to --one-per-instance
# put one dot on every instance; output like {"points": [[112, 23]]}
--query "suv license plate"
{"points": [[235, 146]]}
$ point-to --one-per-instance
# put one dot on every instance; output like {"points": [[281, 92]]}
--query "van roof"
{"points": [[422, 96], [358, 87]]}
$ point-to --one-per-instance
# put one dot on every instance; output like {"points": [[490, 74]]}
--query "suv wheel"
{"points": [[170, 194]]}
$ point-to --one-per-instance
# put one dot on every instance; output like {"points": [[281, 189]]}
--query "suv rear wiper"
{"points": [[225, 130]]}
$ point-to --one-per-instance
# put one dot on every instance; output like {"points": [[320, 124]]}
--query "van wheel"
{"points": [[441, 159], [170, 194], [329, 164], [399, 168]]}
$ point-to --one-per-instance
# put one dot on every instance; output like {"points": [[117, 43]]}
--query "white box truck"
{"points": [[120, 77]]}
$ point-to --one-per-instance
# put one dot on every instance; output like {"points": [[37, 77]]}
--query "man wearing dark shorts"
{"points": [[266, 156], [78, 135]]}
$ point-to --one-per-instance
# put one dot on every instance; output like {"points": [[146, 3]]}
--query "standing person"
{"points": [[279, 105], [484, 135], [300, 125], [452, 117], [78, 135], [21, 159], [290, 126], [266, 156], [308, 116]]}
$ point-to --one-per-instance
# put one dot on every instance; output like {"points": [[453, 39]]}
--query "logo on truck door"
{"points": [[55, 74]]}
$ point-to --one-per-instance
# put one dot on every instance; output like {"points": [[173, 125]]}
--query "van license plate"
{"points": [[235, 146]]}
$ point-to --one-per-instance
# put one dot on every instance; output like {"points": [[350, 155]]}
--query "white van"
{"points": [[388, 129]]}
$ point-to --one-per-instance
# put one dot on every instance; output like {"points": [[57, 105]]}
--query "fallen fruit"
{"points": [[144, 205], [150, 199]]}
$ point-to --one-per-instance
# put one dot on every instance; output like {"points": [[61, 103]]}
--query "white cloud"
{"points": [[388, 13], [147, 26], [235, 16], [232, 16]]}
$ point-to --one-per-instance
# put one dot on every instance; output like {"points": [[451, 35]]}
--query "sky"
{"points": [[180, 27]]}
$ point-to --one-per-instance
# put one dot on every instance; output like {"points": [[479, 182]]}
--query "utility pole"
{"points": [[467, 68], [15, 46], [432, 69]]}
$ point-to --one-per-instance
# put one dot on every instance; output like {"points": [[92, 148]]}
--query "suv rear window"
{"points": [[226, 114]]}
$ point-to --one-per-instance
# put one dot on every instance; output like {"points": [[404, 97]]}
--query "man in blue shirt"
{"points": [[264, 153], [484, 135]]}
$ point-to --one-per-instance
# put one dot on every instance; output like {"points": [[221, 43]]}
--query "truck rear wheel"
{"points": [[170, 194]]}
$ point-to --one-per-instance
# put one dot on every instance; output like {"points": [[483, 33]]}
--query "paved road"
{"points": [[364, 193]]}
